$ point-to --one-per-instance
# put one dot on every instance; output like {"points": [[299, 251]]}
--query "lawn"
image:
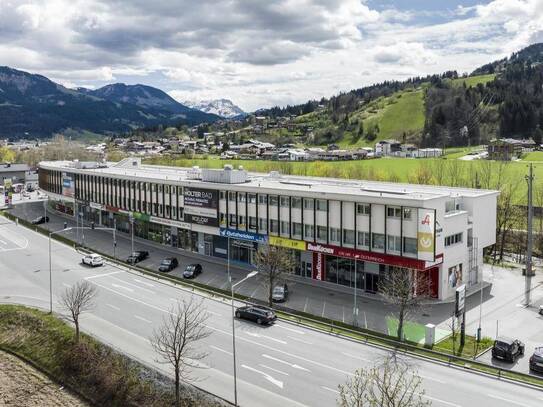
{"points": [[439, 171], [533, 156], [473, 80]]}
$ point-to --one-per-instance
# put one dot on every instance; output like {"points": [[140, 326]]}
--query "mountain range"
{"points": [[33, 106], [221, 107]]}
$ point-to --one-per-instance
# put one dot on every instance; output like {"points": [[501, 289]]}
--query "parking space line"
{"points": [[220, 350], [508, 400], [306, 300], [114, 307], [103, 275], [142, 319], [323, 308], [329, 389]]}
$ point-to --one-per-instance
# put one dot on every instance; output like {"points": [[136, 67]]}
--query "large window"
{"points": [[285, 227], [231, 196], [453, 239], [321, 233], [241, 197], [308, 203], [222, 195], [335, 235], [407, 213], [262, 199], [222, 219], [394, 212], [378, 241], [284, 201], [273, 200], [242, 219], [363, 209], [262, 224], [321, 205], [251, 198], [252, 222], [274, 226], [296, 229], [394, 243], [410, 245], [364, 239], [296, 202], [348, 237], [309, 231], [232, 219]]}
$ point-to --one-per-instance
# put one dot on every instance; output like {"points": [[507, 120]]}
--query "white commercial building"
{"points": [[330, 224]]}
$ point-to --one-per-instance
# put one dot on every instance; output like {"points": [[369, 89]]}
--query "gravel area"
{"points": [[21, 385]]}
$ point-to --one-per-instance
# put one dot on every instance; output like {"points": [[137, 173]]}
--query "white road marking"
{"points": [[293, 365], [143, 282], [254, 292], [356, 357], [306, 300], [329, 389], [66, 285], [214, 313], [124, 288], [114, 307], [272, 369], [323, 308], [1, 241], [103, 275], [220, 350], [134, 285], [269, 378], [508, 400], [265, 336], [431, 378], [289, 329], [448, 403], [299, 340], [142, 319]]}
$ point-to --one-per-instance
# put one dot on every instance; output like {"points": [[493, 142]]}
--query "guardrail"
{"points": [[322, 324]]}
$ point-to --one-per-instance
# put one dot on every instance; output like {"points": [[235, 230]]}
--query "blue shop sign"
{"points": [[239, 234]]}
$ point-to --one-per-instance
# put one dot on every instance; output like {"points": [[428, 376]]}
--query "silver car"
{"points": [[280, 293]]}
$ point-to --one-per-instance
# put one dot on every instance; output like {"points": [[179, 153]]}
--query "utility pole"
{"points": [[528, 287]]}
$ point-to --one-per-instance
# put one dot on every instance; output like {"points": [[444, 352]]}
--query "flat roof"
{"points": [[286, 183]]}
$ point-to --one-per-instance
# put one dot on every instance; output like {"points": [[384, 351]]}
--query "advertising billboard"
{"points": [[202, 220], [202, 202], [238, 234], [67, 185], [426, 234]]}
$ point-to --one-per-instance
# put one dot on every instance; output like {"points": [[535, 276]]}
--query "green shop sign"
{"points": [[141, 216]]}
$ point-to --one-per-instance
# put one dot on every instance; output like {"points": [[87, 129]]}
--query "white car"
{"points": [[93, 260]]}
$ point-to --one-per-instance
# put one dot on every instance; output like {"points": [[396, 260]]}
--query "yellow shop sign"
{"points": [[289, 243]]}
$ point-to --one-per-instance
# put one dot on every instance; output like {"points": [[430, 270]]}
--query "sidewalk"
{"points": [[330, 302]]}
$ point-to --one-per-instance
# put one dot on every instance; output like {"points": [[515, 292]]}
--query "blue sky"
{"points": [[259, 53]]}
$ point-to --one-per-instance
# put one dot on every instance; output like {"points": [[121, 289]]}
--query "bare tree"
{"points": [[78, 299], [507, 216], [393, 383], [175, 341], [273, 262], [405, 289]]}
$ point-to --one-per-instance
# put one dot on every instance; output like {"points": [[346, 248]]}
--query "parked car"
{"points": [[536, 360], [168, 264], [280, 293], [93, 259], [40, 219], [192, 270], [137, 256], [507, 349], [260, 315], [541, 310]]}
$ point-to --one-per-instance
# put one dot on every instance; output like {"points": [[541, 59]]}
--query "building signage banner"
{"points": [[318, 266], [239, 234], [95, 205], [460, 299], [288, 243], [141, 216], [426, 234], [168, 222], [201, 220], [67, 185]]}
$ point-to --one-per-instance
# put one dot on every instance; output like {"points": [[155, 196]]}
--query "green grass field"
{"points": [[473, 80], [533, 156]]}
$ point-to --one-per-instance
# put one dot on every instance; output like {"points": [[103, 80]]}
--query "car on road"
{"points": [[168, 264], [536, 360], [258, 314], [280, 293], [192, 270], [137, 256], [93, 259], [507, 349], [40, 219]]}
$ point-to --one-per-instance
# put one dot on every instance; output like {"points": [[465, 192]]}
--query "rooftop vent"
{"points": [[225, 176], [194, 173]]}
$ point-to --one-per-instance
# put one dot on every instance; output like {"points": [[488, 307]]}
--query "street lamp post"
{"points": [[132, 233], [232, 286], [355, 309]]}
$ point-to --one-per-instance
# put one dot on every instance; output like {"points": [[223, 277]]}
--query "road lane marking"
{"points": [[103, 275], [431, 378], [214, 313], [143, 319], [134, 285], [269, 378], [305, 305], [265, 336], [448, 403], [220, 350], [1, 241], [66, 285], [123, 287], [289, 329], [293, 365], [272, 369], [299, 340], [356, 357], [329, 389], [508, 400], [323, 308], [114, 307], [143, 282]]}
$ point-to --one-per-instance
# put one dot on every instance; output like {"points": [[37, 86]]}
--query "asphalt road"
{"points": [[283, 364]]}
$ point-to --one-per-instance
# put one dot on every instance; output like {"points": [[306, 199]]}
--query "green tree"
{"points": [[7, 155]]}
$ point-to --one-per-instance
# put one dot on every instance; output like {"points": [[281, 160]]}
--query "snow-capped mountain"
{"points": [[221, 107]]}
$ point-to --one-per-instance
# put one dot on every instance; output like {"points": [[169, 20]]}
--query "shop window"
{"points": [[364, 239], [296, 229], [348, 237], [296, 202], [251, 198], [274, 226], [363, 209], [285, 228], [252, 222], [308, 203], [321, 233], [284, 201], [410, 245], [407, 213], [394, 243], [335, 235], [309, 232], [322, 205], [378, 241], [262, 199], [273, 200], [394, 212]]}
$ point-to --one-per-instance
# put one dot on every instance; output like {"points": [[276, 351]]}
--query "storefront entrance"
{"points": [[242, 251]]}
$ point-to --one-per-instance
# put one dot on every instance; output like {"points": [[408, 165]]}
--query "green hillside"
{"points": [[474, 80]]}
